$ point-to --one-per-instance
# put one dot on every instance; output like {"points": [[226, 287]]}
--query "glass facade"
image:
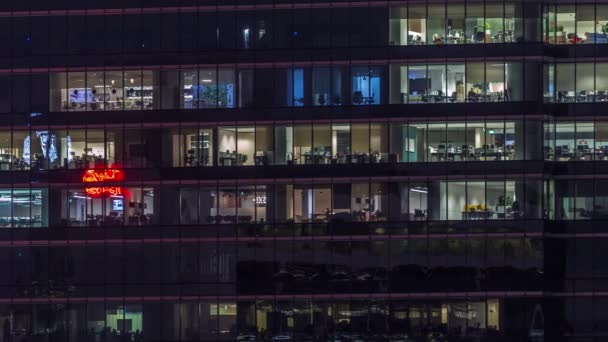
{"points": [[287, 170], [439, 23], [582, 23], [270, 143], [335, 85], [576, 82]]}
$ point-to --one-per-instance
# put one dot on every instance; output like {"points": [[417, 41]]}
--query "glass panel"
{"points": [[564, 82], [264, 150], [189, 93], [549, 23], [495, 82], [416, 34], [302, 144], [338, 77], [245, 146], [150, 88], [601, 83], [227, 144], [457, 149], [417, 83], [585, 141], [228, 201], [341, 143], [601, 25], [438, 148], [564, 141], [366, 85], [456, 83], [59, 93], [226, 86], [601, 140], [321, 84], [398, 26], [134, 91], [566, 26], [514, 83], [475, 25], [585, 82], [322, 148], [549, 83], [96, 85], [197, 145], [247, 204], [360, 143], [455, 23], [585, 24], [437, 84], [378, 202], [436, 30], [207, 90], [78, 94], [379, 143], [76, 148], [417, 148], [549, 145], [95, 149], [360, 202], [495, 24], [475, 207], [114, 83], [283, 145], [475, 78], [499, 204]]}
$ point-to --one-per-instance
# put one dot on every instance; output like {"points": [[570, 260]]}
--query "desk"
{"points": [[317, 158], [227, 160], [416, 98], [477, 215], [455, 39]]}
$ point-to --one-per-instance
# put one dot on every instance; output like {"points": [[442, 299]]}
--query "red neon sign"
{"points": [[102, 176], [104, 191], [98, 176]]}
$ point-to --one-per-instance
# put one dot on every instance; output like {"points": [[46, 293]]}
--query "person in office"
{"points": [[515, 209]]}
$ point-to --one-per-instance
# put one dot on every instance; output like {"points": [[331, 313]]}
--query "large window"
{"points": [[453, 83], [457, 141], [135, 206], [457, 23], [583, 23], [21, 208], [580, 140], [216, 87], [366, 85], [580, 199], [358, 201], [329, 85], [269, 144], [576, 82], [207, 88], [104, 90]]}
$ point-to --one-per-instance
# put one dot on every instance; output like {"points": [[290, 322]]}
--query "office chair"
{"points": [[358, 97]]}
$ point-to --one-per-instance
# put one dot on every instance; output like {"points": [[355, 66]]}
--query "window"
{"points": [[366, 85], [20, 208]]}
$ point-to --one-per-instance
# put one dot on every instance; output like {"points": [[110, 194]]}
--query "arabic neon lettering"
{"points": [[99, 176], [104, 191], [103, 176]]}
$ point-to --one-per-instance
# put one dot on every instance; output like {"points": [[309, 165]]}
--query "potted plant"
{"points": [[504, 203]]}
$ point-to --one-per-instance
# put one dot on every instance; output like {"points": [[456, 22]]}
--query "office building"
{"points": [[303, 170]]}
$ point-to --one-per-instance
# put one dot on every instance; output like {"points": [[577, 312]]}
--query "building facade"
{"points": [[303, 170]]}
